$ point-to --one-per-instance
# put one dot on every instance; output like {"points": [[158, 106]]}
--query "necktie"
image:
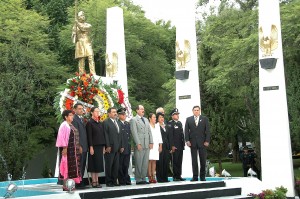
{"points": [[143, 119], [116, 125], [196, 121], [81, 119]]}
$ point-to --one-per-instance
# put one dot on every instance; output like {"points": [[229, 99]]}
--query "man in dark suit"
{"points": [[124, 178], [114, 147], [177, 144], [197, 136], [79, 124]]}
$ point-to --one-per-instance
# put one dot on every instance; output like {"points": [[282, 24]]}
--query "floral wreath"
{"points": [[89, 90]]}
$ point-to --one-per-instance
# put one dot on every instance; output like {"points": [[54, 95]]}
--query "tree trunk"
{"points": [[220, 165]]}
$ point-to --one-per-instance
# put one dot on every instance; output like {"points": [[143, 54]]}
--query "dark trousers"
{"points": [[83, 164], [202, 155], [111, 167], [177, 163], [162, 166], [123, 168], [246, 168]]}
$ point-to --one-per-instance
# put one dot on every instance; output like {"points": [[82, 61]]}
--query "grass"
{"points": [[236, 169], [296, 163]]}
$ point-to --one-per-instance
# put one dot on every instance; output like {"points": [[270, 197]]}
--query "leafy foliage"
{"points": [[29, 73], [228, 62], [228, 65]]}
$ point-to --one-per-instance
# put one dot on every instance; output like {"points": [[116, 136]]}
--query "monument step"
{"points": [[231, 197], [159, 188], [221, 192]]}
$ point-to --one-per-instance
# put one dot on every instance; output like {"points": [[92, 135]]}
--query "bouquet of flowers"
{"points": [[278, 193], [89, 90]]}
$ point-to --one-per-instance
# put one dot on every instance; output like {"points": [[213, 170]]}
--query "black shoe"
{"points": [[110, 185], [202, 179], [194, 179], [176, 179], [116, 184], [96, 185], [181, 179], [128, 183]]}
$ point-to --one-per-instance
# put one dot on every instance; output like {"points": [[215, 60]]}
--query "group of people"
{"points": [[156, 143]]}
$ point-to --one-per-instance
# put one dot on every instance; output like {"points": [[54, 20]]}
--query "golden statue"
{"points": [[83, 44], [268, 43], [111, 64], [183, 56]]}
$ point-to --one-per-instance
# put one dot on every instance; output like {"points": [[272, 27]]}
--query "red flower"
{"points": [[85, 84], [121, 96], [72, 93], [69, 104]]}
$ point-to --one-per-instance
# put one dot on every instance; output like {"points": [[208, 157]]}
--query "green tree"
{"points": [[291, 53], [228, 65], [229, 74], [29, 74]]}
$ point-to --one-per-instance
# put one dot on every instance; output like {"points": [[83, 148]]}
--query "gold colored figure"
{"points": [[111, 64], [268, 43], [183, 56], [83, 44]]}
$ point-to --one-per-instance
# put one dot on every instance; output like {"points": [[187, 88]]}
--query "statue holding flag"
{"points": [[83, 44]]}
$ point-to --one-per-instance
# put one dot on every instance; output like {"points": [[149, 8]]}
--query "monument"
{"points": [[115, 48], [276, 156], [187, 80], [83, 44]]}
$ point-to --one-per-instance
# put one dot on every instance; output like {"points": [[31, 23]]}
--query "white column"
{"points": [[115, 44], [276, 156], [187, 91]]}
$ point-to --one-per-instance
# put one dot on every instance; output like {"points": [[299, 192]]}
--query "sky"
{"points": [[157, 9], [163, 9]]}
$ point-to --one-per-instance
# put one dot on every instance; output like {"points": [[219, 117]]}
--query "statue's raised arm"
{"points": [[83, 45]]}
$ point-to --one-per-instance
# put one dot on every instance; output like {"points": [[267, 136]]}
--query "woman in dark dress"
{"points": [[96, 142], [162, 165]]}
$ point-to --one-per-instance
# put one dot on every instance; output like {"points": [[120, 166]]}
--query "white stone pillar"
{"points": [[115, 47], [187, 90], [276, 156], [115, 52]]}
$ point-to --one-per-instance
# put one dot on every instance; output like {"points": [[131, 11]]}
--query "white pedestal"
{"points": [[276, 156], [115, 43], [187, 91]]}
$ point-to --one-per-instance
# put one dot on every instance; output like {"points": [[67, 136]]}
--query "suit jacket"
{"points": [[113, 137], [141, 131], [80, 126], [176, 134], [95, 133], [126, 137], [165, 136], [197, 135]]}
